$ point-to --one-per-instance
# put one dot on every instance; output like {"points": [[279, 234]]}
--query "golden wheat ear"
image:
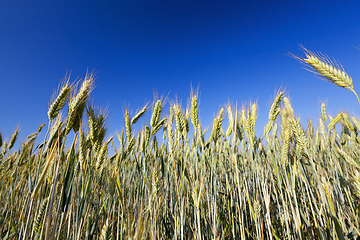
{"points": [[333, 72]]}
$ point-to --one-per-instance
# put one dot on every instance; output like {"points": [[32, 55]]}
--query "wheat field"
{"points": [[167, 180]]}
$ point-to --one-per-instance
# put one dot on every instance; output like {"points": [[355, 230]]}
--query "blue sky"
{"points": [[233, 50]]}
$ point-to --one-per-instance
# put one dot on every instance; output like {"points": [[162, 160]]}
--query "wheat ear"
{"points": [[138, 115], [156, 128], [127, 125], [323, 66], [40, 216], [77, 103], [13, 138], [59, 101], [194, 110], [155, 117], [215, 133]]}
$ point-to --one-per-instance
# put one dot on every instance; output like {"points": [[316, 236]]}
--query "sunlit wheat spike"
{"points": [[82, 148], [147, 136], [249, 126], [91, 123], [257, 208], [231, 120], [254, 107], [181, 122], [200, 139], [288, 106], [334, 121], [215, 133], [347, 122], [41, 127], [138, 115], [268, 127], [142, 141], [274, 109], [13, 138], [186, 128], [171, 118], [285, 147], [299, 134], [77, 103], [310, 130], [194, 111], [127, 125], [349, 159], [356, 123], [274, 112], [155, 117], [178, 114], [59, 101], [3, 149], [137, 142], [40, 216], [155, 183], [84, 92], [130, 145], [240, 125], [164, 132], [323, 112], [322, 128], [275, 128], [158, 126], [97, 127], [320, 64]]}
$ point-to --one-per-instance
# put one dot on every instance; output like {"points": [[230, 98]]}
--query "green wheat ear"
{"points": [[320, 64]]}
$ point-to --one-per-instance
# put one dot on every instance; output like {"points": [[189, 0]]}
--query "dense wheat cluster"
{"points": [[167, 180]]}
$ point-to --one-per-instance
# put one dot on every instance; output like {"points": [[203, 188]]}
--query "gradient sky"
{"points": [[233, 50]]}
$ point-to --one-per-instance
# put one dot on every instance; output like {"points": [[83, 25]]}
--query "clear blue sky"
{"points": [[234, 50]]}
